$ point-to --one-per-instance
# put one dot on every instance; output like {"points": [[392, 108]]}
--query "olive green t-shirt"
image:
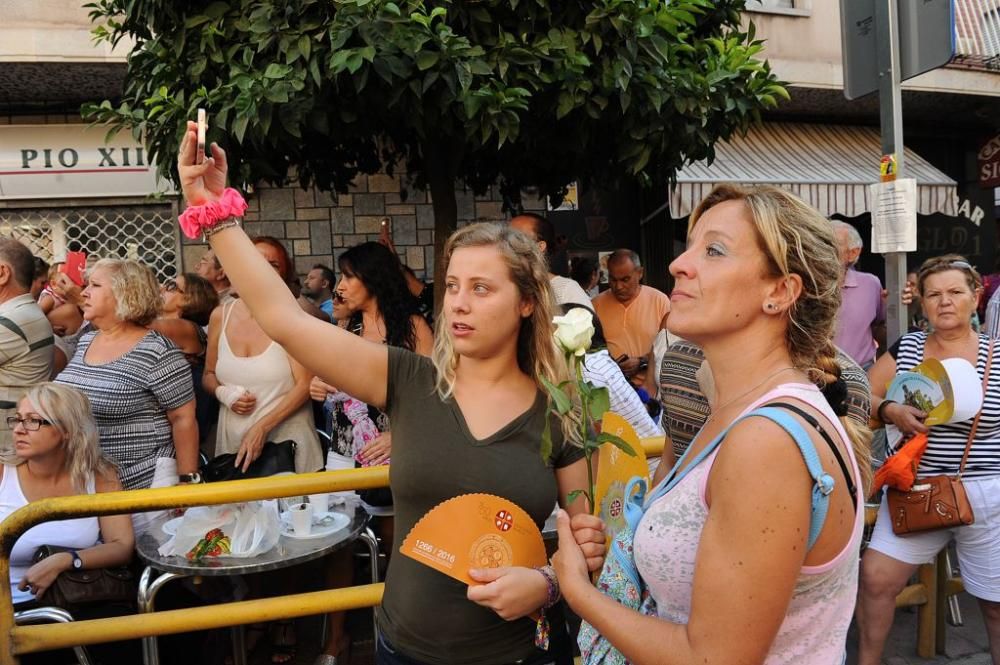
{"points": [[424, 613]]}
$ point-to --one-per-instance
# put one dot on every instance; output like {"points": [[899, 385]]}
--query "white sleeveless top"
{"points": [[268, 376], [814, 630], [78, 534]]}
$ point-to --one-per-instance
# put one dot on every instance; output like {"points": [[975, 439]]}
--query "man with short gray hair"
{"points": [[26, 342], [631, 314], [861, 319]]}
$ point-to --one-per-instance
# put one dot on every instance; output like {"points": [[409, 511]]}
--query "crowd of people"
{"points": [[764, 369]]}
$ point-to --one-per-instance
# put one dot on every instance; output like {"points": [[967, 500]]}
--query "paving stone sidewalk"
{"points": [[965, 645]]}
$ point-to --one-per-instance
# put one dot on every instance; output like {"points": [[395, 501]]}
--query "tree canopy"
{"points": [[515, 92]]}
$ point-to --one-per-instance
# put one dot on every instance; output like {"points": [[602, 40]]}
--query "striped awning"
{"points": [[828, 166]]}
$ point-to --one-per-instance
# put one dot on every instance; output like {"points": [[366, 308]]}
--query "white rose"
{"points": [[574, 330]]}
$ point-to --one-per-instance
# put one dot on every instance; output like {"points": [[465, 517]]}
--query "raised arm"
{"points": [[320, 347]]}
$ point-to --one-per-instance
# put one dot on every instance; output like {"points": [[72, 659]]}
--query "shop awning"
{"points": [[828, 166]]}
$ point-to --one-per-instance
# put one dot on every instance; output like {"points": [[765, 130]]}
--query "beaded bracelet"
{"points": [[210, 231], [553, 595], [197, 220], [542, 628]]}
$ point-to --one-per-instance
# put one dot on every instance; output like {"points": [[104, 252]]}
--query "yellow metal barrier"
{"points": [[41, 637], [28, 639], [34, 638]]}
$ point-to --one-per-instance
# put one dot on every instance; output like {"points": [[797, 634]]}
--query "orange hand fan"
{"points": [[475, 531]]}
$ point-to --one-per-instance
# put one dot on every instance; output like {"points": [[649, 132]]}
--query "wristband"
{"points": [[542, 628], [197, 220], [552, 595], [879, 412]]}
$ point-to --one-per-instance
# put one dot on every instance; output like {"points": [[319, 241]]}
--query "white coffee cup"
{"points": [[302, 518], [320, 502]]}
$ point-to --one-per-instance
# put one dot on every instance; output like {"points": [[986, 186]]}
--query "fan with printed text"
{"points": [[475, 531]]}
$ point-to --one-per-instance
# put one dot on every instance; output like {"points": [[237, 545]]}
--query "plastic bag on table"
{"points": [[257, 529], [234, 530], [192, 534]]}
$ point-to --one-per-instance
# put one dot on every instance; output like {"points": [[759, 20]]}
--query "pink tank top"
{"points": [[815, 627]]}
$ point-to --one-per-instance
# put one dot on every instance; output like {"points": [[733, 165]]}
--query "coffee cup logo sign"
{"points": [[73, 161]]}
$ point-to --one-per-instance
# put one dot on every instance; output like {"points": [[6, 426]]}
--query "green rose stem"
{"points": [[588, 449], [573, 334]]}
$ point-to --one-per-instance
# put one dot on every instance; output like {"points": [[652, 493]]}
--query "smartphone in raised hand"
{"points": [[202, 130]]}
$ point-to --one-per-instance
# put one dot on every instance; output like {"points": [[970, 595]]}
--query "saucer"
{"points": [[324, 524]]}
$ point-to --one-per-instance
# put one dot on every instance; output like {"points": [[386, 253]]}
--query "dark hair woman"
{"points": [[373, 290]]}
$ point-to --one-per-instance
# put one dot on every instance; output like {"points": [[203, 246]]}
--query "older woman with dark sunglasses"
{"points": [[949, 289]]}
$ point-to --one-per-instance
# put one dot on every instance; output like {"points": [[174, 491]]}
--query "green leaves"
{"points": [[529, 93], [617, 442], [576, 494], [598, 402], [560, 399]]}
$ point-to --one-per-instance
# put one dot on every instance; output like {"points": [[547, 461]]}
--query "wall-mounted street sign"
{"points": [[73, 161], [989, 163], [926, 40]]}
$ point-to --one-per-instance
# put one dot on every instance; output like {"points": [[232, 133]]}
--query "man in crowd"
{"points": [[539, 229], [318, 287], [631, 313], [26, 342], [210, 268], [861, 320]]}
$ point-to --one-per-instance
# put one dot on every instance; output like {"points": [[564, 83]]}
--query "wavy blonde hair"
{"points": [[796, 240], [68, 410], [134, 286], [537, 353]]}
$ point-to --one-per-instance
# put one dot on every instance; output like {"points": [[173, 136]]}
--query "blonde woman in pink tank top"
{"points": [[724, 552]]}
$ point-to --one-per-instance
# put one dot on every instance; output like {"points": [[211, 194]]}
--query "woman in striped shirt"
{"points": [[949, 288]]}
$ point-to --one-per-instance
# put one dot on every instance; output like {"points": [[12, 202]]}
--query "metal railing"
{"points": [[977, 33], [34, 638]]}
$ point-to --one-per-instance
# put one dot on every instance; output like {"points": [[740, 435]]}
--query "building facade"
{"points": [[827, 148], [59, 190], [62, 188]]}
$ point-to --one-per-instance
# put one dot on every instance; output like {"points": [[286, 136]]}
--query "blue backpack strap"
{"points": [[823, 482], [637, 501]]}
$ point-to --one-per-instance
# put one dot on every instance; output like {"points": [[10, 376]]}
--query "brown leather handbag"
{"points": [[936, 502], [75, 589]]}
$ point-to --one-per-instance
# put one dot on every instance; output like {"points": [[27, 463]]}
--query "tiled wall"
{"points": [[317, 227]]}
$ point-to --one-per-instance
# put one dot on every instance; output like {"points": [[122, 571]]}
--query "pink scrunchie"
{"points": [[195, 219]]}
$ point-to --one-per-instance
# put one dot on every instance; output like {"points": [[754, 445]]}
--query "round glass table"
{"points": [[288, 552]]}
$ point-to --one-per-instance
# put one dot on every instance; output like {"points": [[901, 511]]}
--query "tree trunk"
{"points": [[439, 166]]}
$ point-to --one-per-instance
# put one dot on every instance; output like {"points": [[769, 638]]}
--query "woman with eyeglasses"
{"points": [[56, 442], [188, 302], [58, 454], [138, 382], [949, 288]]}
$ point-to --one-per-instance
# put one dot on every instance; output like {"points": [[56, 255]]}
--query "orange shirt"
{"points": [[631, 329]]}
